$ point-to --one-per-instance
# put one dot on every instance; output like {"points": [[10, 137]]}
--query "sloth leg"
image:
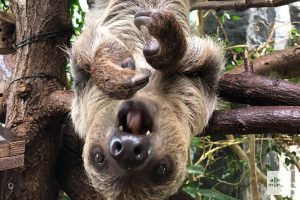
{"points": [[113, 71], [168, 45]]}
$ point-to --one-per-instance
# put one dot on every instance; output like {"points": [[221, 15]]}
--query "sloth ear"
{"points": [[80, 77], [91, 3]]}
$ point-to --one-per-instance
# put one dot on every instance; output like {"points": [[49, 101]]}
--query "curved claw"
{"points": [[142, 18], [141, 80], [143, 13]]}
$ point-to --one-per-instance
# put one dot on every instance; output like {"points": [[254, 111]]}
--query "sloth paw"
{"points": [[169, 43], [119, 81]]}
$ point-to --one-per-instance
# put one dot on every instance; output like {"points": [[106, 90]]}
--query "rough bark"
{"points": [[284, 63], [239, 5], [59, 102], [269, 119], [258, 90], [27, 112]]}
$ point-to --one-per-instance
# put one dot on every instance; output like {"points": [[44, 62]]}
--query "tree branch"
{"points": [[284, 63], [252, 169], [258, 90], [268, 119], [277, 119], [238, 5], [59, 102]]}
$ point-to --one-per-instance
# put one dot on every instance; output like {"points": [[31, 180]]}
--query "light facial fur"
{"points": [[117, 99]]}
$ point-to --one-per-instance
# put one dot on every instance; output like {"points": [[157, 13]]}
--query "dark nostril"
{"points": [[130, 151], [138, 152], [116, 148]]}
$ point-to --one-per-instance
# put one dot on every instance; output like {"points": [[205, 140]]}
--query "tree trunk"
{"points": [[28, 113]]}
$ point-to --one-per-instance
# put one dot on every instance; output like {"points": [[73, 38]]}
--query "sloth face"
{"points": [[136, 152]]}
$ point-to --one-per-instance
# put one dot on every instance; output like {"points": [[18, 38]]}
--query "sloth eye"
{"points": [[163, 169], [99, 158]]}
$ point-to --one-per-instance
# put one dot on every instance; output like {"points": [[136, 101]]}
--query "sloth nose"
{"points": [[130, 151]]}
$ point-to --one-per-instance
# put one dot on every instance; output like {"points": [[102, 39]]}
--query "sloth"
{"points": [[144, 86]]}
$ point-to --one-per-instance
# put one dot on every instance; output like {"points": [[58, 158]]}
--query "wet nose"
{"points": [[130, 151]]}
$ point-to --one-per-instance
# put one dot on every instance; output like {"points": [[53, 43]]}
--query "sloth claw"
{"points": [[140, 80], [168, 43], [143, 13], [141, 21]]}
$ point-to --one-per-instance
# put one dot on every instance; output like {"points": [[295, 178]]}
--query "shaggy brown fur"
{"points": [[121, 38]]}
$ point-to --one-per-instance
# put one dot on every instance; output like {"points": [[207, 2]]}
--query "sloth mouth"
{"points": [[135, 118]]}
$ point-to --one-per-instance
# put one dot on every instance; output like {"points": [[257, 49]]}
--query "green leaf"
{"points": [[214, 194], [235, 17], [239, 50], [287, 161], [191, 188], [209, 193], [195, 141], [195, 170]]}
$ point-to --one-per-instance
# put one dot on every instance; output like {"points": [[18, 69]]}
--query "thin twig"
{"points": [[252, 169], [238, 5]]}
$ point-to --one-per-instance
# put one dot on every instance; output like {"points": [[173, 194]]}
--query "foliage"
{"points": [[78, 15], [4, 5], [295, 36], [206, 151], [63, 196]]}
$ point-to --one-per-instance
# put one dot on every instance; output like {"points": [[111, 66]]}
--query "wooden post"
{"points": [[28, 111], [12, 150]]}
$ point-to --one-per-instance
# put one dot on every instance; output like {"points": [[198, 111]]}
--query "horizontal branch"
{"points": [[258, 90], [284, 63], [269, 119], [59, 102], [239, 5], [272, 119]]}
